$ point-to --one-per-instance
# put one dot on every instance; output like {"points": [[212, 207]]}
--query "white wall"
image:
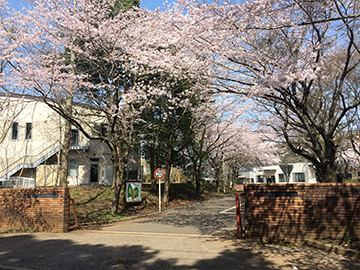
{"points": [[276, 171], [46, 137]]}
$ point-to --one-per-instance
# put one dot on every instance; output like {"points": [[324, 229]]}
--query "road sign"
{"points": [[159, 173], [287, 169]]}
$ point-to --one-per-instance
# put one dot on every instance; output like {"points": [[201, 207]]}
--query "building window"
{"points": [[270, 179], [260, 179], [299, 177], [73, 167], [74, 140], [282, 178], [15, 131], [28, 131], [94, 170]]}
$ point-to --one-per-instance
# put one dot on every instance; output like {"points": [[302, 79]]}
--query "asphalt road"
{"points": [[206, 218], [201, 236]]}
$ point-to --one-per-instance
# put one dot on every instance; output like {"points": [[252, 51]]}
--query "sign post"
{"points": [[159, 174], [287, 169]]}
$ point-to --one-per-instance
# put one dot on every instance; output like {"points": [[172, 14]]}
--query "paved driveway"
{"points": [[206, 218], [196, 237]]}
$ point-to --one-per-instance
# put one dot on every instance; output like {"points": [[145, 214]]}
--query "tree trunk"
{"points": [[198, 161], [124, 202], [327, 173], [224, 175], [119, 180], [152, 168], [65, 149], [217, 171], [198, 186], [197, 178], [117, 188], [166, 194], [125, 161]]}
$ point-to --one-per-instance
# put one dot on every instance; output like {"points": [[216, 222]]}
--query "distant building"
{"points": [[31, 144], [286, 173]]}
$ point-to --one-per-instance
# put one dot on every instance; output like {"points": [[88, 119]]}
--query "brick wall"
{"points": [[40, 209], [293, 212]]}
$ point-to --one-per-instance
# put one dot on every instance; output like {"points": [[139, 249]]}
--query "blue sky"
{"points": [[152, 4], [148, 4]]}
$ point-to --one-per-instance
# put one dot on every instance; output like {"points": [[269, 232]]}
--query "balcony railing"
{"points": [[80, 147], [18, 182]]}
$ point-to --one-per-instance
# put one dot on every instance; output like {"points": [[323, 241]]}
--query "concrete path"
{"points": [[188, 238]]}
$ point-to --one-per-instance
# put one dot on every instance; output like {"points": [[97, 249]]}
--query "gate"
{"points": [[240, 214]]}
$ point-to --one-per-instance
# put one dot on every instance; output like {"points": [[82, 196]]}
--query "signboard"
{"points": [[45, 195], [276, 194], [133, 191]]}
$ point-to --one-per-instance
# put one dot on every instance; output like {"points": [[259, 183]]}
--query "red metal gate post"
{"points": [[75, 215], [239, 221]]}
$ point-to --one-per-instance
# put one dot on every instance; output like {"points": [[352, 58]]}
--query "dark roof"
{"points": [[25, 96]]}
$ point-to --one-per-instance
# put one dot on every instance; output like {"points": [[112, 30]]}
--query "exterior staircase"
{"points": [[29, 161]]}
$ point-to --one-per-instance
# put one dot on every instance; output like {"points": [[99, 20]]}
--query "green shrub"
{"points": [[354, 180]]}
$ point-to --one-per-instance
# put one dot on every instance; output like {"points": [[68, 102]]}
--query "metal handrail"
{"points": [[18, 182]]}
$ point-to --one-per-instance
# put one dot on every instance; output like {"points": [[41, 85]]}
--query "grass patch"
{"points": [[355, 180]]}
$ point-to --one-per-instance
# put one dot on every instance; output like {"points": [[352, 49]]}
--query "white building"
{"points": [[286, 173], [31, 135]]}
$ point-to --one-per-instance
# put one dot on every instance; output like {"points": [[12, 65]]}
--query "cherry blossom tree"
{"points": [[347, 160], [225, 138], [3, 33], [292, 57], [105, 61], [9, 108], [238, 147]]}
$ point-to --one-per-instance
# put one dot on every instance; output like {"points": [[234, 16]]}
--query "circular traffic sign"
{"points": [[159, 173]]}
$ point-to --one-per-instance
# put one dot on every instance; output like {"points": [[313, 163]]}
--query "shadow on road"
{"points": [[291, 256], [206, 219], [206, 224], [26, 251]]}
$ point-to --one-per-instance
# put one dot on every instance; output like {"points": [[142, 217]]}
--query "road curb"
{"points": [[330, 248], [154, 234], [15, 230]]}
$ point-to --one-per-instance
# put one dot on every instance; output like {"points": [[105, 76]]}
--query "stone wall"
{"points": [[39, 209], [293, 212]]}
